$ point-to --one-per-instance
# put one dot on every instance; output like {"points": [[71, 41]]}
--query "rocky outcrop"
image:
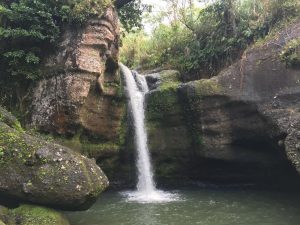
{"points": [[31, 215], [81, 101], [240, 126], [260, 77], [42, 172], [83, 90]]}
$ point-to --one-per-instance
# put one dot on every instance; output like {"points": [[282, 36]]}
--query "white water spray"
{"points": [[136, 87]]}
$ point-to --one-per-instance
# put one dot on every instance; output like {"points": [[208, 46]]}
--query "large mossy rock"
{"points": [[240, 126], [31, 215], [46, 173]]}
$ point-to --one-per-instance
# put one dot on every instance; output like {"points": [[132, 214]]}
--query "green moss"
{"points": [[9, 119], [290, 54], [34, 215], [120, 91], [170, 75], [14, 147], [98, 149], [206, 87], [169, 85], [3, 214], [90, 149], [162, 103], [169, 79]]}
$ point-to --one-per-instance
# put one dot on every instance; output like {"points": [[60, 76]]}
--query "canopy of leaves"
{"points": [[202, 40], [131, 15]]}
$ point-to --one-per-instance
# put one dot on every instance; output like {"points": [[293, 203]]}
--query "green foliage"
{"points": [[34, 215], [131, 15], [290, 55], [30, 28], [202, 41], [134, 50]]}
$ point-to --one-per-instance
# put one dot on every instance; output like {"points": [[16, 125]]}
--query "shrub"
{"points": [[29, 28], [290, 54], [201, 41]]}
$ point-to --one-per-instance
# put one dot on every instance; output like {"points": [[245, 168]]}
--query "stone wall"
{"points": [[240, 126]]}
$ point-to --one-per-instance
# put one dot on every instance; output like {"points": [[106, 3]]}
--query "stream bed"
{"points": [[192, 207]]}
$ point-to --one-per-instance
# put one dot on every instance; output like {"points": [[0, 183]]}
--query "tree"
{"points": [[130, 13]]}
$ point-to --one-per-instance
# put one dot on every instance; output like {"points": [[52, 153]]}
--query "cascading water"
{"points": [[136, 104], [136, 87]]}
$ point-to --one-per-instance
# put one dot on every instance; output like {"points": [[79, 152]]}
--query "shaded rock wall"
{"points": [[241, 126]]}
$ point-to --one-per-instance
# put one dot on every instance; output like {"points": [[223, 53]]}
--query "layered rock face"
{"points": [[82, 98], [83, 90], [241, 126], [42, 172]]}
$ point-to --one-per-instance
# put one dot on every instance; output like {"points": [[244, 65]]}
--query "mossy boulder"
{"points": [[32, 215], [163, 79], [9, 119], [43, 172], [36, 215]]}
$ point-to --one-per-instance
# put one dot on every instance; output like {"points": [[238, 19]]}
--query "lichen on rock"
{"points": [[46, 173]]}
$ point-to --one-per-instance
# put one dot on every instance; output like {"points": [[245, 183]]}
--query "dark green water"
{"points": [[203, 207]]}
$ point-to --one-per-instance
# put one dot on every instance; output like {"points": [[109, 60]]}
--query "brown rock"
{"points": [[83, 89]]}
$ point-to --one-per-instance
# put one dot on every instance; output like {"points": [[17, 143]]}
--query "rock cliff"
{"points": [[83, 90], [81, 99], [240, 126]]}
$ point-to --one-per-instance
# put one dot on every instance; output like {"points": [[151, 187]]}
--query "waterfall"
{"points": [[136, 89], [136, 94]]}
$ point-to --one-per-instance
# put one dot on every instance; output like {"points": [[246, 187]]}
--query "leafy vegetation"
{"points": [[131, 15], [30, 214], [291, 53], [30, 28], [202, 40]]}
